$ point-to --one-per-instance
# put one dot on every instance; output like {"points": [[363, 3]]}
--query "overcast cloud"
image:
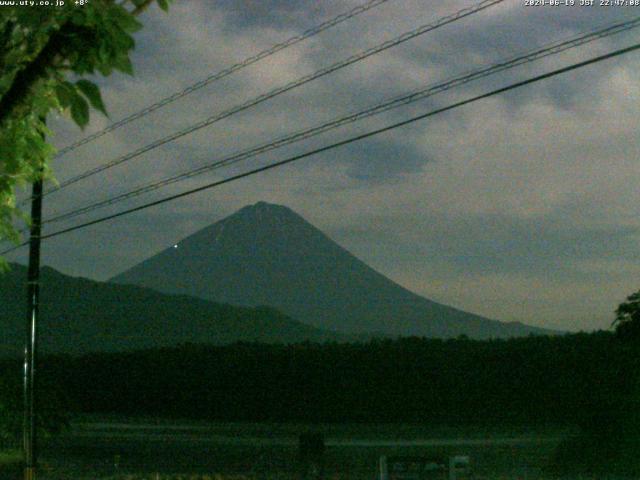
{"points": [[523, 206]]}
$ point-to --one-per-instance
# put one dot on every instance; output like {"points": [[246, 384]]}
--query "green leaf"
{"points": [[164, 5], [120, 40], [104, 53], [123, 64], [78, 17], [80, 111], [84, 64], [65, 93], [92, 92], [125, 20]]}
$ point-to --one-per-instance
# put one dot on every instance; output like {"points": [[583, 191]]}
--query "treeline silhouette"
{"points": [[590, 381], [575, 379]]}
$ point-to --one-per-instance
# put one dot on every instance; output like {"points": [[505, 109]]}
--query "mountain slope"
{"points": [[80, 315], [268, 255]]}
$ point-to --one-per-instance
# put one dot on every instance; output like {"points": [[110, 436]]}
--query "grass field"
{"points": [[10, 457], [114, 449], [160, 450]]}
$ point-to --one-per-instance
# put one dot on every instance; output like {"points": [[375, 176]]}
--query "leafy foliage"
{"points": [[530, 381], [39, 50], [627, 320]]}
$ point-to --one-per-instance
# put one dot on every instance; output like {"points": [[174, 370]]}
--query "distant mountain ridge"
{"points": [[266, 254], [78, 315]]}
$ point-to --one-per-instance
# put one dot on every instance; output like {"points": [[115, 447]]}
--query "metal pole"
{"points": [[33, 297]]}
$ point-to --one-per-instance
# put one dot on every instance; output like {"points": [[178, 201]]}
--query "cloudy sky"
{"points": [[523, 206]]}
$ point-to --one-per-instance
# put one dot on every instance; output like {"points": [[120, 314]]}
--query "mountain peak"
{"points": [[266, 254], [266, 205], [263, 208], [261, 220]]}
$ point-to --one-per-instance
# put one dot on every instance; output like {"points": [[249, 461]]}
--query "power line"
{"points": [[531, 56], [280, 90], [332, 146], [226, 72]]}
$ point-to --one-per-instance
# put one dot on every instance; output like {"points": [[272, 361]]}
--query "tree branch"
{"points": [[27, 78]]}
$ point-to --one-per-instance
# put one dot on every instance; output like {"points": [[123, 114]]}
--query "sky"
{"points": [[520, 207]]}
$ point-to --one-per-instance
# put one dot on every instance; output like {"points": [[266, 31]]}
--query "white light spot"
{"points": [[175, 246]]}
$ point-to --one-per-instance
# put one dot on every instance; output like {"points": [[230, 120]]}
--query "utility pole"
{"points": [[29, 434]]}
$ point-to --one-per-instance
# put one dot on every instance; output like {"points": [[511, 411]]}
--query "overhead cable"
{"points": [[530, 56], [280, 90], [225, 73], [335, 145]]}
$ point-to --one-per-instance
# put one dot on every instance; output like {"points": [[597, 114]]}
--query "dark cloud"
{"points": [[278, 14], [378, 160]]}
